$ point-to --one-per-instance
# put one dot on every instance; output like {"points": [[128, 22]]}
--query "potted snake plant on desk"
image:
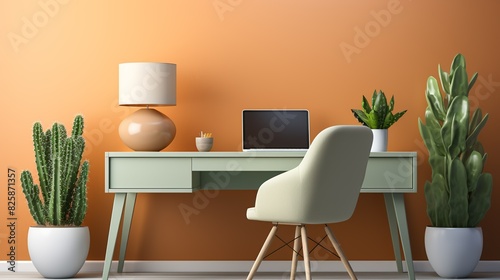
{"points": [[58, 245], [378, 117], [459, 194]]}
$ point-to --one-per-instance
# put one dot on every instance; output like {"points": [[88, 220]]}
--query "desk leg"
{"points": [[116, 216], [399, 207], [127, 221], [393, 226]]}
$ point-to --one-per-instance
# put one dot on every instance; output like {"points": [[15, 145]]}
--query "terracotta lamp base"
{"points": [[147, 130]]}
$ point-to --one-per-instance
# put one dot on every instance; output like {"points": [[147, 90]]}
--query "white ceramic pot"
{"points": [[453, 252], [379, 140], [58, 252]]}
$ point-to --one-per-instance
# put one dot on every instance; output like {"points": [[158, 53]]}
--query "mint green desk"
{"points": [[130, 173]]}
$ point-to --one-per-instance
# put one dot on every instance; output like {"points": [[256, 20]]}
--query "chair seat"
{"points": [[289, 219]]}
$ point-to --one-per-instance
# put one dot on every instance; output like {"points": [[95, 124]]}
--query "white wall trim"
{"points": [[244, 266]]}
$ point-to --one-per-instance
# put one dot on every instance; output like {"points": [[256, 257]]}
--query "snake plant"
{"points": [[379, 115], [459, 194], [62, 176]]}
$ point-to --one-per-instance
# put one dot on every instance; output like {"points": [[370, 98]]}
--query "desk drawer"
{"points": [[390, 174], [245, 163], [150, 173]]}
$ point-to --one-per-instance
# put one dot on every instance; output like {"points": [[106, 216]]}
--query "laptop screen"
{"points": [[278, 129]]}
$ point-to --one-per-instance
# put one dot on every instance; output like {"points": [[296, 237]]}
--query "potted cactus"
{"points": [[59, 245], [459, 194], [378, 117]]}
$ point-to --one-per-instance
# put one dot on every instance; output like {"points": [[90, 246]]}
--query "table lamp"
{"points": [[147, 84]]}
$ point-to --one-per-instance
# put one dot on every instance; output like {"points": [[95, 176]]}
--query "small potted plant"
{"points": [[459, 194], [59, 245], [378, 117]]}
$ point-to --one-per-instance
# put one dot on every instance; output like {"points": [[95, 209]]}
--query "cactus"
{"points": [[62, 176], [459, 194], [379, 115]]}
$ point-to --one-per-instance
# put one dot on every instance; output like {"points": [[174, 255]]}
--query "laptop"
{"points": [[275, 130]]}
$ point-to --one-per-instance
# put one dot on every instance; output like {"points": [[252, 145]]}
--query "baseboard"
{"points": [[244, 266]]}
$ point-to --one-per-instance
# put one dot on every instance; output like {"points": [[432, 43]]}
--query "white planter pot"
{"points": [[453, 252], [379, 140], [58, 252]]}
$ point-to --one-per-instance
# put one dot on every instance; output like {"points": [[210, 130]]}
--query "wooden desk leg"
{"points": [[393, 226], [399, 207], [127, 221], [116, 216]]}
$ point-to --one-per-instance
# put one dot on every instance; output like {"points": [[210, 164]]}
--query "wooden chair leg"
{"points": [[305, 251], [296, 248], [336, 245], [262, 252]]}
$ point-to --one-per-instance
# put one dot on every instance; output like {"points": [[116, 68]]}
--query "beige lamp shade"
{"points": [[147, 84]]}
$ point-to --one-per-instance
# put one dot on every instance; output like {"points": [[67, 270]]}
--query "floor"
{"points": [[241, 276]]}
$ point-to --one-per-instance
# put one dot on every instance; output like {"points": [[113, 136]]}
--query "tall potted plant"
{"points": [[59, 245], [378, 117], [459, 194]]}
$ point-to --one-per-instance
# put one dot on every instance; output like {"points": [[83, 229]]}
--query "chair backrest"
{"points": [[332, 173]]}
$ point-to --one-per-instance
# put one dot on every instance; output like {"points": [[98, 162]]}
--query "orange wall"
{"points": [[61, 58]]}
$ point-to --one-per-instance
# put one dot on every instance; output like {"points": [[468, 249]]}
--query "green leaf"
{"points": [[365, 105], [437, 201], [395, 118], [426, 136], [435, 159], [435, 130], [472, 82], [455, 126], [476, 119], [380, 107], [361, 116], [434, 99], [458, 61], [474, 167], [459, 83], [458, 202], [374, 97], [480, 199], [391, 104], [474, 131], [445, 81]]}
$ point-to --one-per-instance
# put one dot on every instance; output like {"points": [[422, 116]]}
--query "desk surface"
{"points": [[153, 172]]}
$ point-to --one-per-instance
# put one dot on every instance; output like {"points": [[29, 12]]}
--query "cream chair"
{"points": [[322, 189]]}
